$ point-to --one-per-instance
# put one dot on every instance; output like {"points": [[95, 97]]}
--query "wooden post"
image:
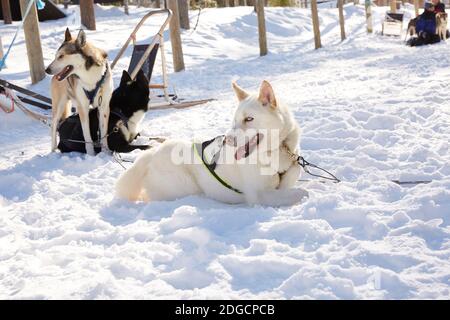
{"points": [[1, 49], [183, 8], [315, 21], [175, 38], [236, 3], [6, 9], [261, 27], [87, 14], [66, 4], [341, 18], [367, 4], [393, 5], [227, 3], [33, 42], [125, 7], [416, 7]]}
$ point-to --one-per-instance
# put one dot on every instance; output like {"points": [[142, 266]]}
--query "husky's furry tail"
{"points": [[130, 183]]}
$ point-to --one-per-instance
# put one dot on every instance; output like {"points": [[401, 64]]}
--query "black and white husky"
{"points": [[82, 76], [128, 105]]}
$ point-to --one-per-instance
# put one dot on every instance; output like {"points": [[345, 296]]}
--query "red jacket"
{"points": [[440, 7]]}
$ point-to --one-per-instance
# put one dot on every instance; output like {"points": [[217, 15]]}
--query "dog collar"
{"points": [[121, 116], [199, 149], [92, 93]]}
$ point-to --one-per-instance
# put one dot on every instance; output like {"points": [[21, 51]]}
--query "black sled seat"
{"points": [[138, 53], [143, 58], [392, 24]]}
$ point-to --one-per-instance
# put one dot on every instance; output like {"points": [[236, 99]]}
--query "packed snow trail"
{"points": [[371, 110]]}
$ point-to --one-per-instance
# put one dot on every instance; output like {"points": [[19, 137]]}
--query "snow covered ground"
{"points": [[371, 110]]}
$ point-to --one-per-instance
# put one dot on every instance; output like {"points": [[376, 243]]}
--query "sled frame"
{"points": [[37, 100], [158, 38], [392, 24]]}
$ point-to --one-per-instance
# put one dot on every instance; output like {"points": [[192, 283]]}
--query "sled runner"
{"points": [[9, 100], [30, 96], [392, 24], [144, 57]]}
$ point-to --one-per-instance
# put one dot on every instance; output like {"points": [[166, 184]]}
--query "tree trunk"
{"points": [[341, 18], [315, 21], [175, 38], [125, 7], [261, 28], [368, 16], [1, 49], [416, 7], [393, 6], [87, 14], [6, 9], [183, 8]]}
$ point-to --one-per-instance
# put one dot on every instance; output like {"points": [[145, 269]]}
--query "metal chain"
{"points": [[305, 164]]}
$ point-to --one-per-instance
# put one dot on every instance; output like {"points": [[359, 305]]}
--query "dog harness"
{"points": [[93, 93], [199, 149]]}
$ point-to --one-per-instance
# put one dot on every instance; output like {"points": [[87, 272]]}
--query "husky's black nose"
{"points": [[48, 70]]}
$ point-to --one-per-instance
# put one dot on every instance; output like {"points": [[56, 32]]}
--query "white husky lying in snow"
{"points": [[252, 164]]}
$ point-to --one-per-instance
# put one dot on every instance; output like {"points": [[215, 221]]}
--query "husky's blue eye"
{"points": [[248, 119]]}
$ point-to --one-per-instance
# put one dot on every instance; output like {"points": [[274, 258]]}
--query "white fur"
{"points": [[441, 25], [154, 175], [133, 125]]}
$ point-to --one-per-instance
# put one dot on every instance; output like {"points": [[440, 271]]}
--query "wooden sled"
{"points": [[144, 57], [392, 24], [8, 91]]}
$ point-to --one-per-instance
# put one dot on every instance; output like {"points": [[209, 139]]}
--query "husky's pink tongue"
{"points": [[246, 149], [64, 73], [240, 152]]}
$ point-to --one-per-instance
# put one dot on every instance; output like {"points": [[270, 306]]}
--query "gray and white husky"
{"points": [[82, 76], [254, 163]]}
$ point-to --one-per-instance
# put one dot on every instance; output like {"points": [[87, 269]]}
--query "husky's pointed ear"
{"points": [[240, 93], [67, 35], [125, 78], [142, 79], [266, 95], [81, 39]]}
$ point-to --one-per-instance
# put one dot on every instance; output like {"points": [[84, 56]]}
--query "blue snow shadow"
{"points": [[17, 182], [202, 228], [219, 218]]}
